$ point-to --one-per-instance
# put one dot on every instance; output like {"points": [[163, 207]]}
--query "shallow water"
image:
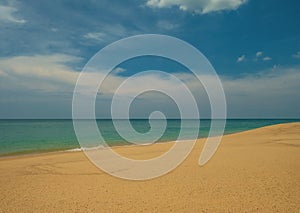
{"points": [[34, 136]]}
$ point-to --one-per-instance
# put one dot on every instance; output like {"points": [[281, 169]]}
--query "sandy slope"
{"points": [[253, 171]]}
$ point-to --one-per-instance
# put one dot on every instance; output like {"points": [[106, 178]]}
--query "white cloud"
{"points": [[266, 94], [251, 95], [7, 15], [268, 82], [258, 54], [40, 72], [267, 58], [241, 58], [271, 93], [99, 36], [166, 25], [118, 70], [47, 73], [198, 6], [297, 55], [107, 33]]}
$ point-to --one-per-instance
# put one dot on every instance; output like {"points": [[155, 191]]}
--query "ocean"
{"points": [[36, 136]]}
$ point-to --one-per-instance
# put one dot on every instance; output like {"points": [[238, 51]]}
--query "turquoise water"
{"points": [[33, 136]]}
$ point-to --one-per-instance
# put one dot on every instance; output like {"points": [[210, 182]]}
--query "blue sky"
{"points": [[253, 45]]}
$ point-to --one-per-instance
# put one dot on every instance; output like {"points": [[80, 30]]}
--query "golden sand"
{"points": [[252, 171]]}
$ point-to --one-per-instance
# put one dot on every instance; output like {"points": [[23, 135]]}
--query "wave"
{"points": [[85, 149]]}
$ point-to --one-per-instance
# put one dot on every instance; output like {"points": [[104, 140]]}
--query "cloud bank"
{"points": [[198, 6], [7, 14], [266, 94]]}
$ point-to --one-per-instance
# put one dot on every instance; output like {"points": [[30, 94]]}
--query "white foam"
{"points": [[105, 147], [85, 149]]}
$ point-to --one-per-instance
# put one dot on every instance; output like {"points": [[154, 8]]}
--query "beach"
{"points": [[252, 171]]}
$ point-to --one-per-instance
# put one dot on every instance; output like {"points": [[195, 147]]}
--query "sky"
{"points": [[254, 47]]}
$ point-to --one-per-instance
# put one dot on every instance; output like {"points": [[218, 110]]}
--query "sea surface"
{"points": [[36, 136]]}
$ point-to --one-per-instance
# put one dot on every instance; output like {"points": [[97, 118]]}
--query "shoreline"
{"points": [[37, 153]]}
